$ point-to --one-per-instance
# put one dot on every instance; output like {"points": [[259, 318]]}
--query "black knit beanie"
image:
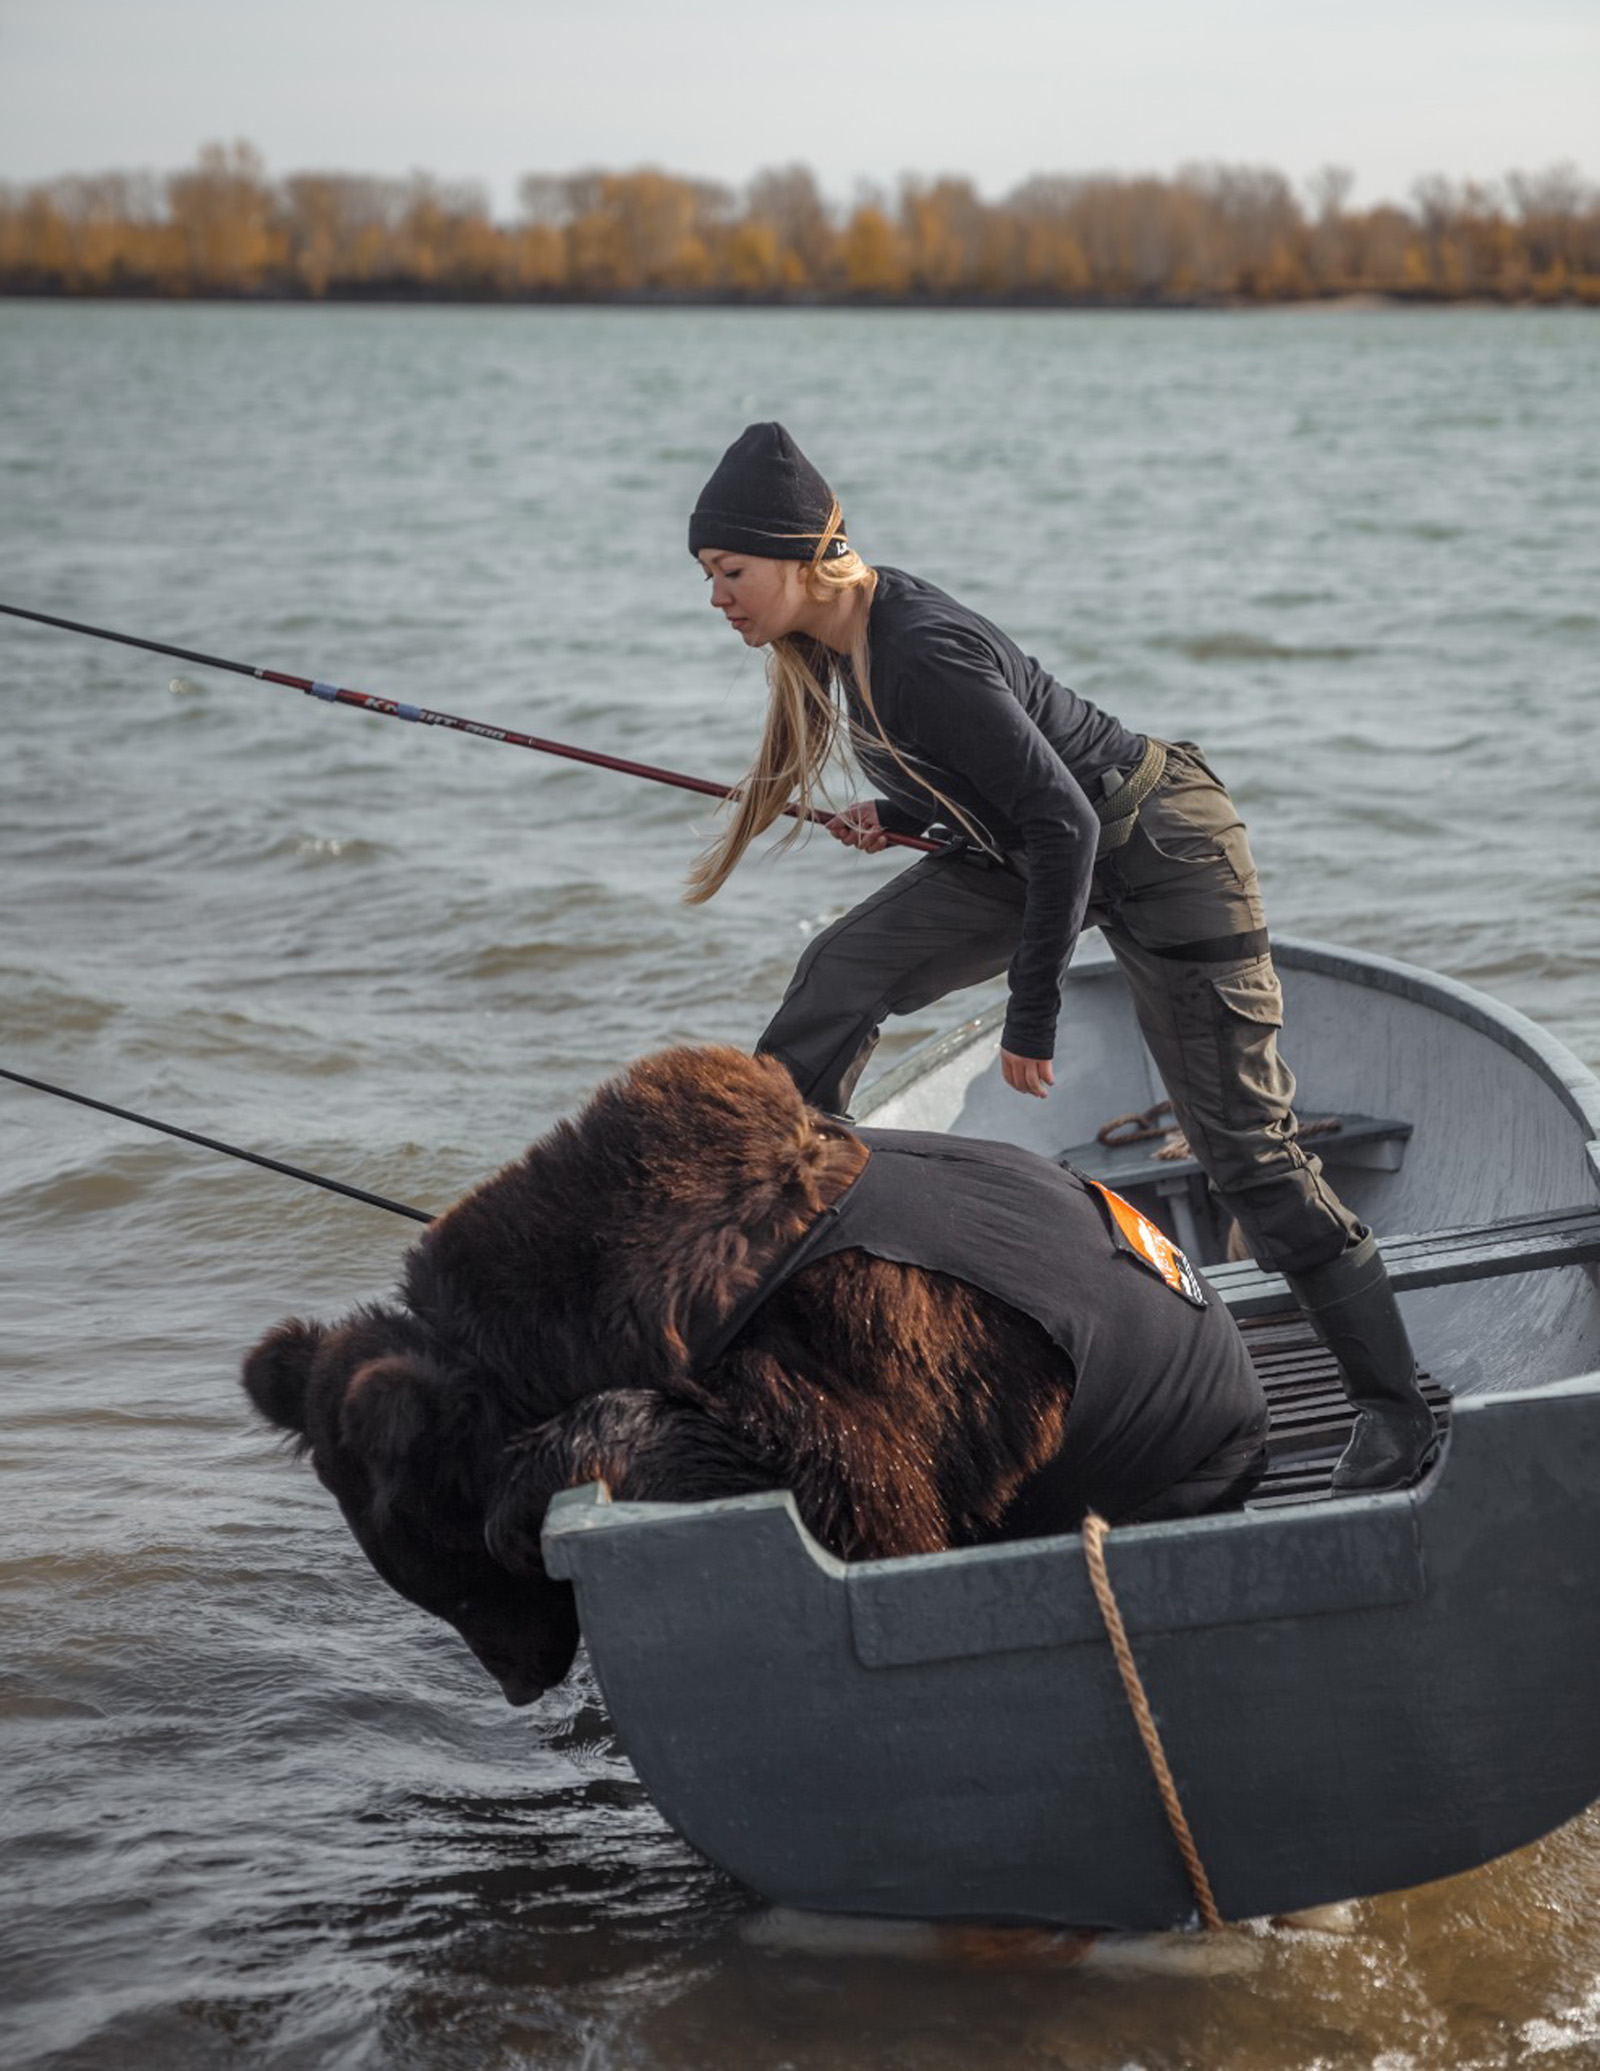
{"points": [[765, 498]]}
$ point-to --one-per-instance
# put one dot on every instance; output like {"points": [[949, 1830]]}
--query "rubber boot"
{"points": [[1352, 1306]]}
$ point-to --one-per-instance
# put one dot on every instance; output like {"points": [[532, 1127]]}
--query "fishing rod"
{"points": [[420, 715], [232, 1150]]}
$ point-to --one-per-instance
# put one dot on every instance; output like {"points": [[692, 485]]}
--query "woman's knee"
{"points": [[1293, 1222]]}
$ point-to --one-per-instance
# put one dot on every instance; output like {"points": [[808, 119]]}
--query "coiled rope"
{"points": [[1095, 1530]]}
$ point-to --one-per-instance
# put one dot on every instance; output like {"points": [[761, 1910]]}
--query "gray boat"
{"points": [[1354, 1694]]}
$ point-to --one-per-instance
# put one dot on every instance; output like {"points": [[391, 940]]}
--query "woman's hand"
{"points": [[1033, 1075], [857, 827]]}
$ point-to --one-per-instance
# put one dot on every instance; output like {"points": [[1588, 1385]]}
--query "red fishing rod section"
{"points": [[420, 715]]}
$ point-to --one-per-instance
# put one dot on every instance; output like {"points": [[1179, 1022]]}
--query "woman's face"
{"points": [[761, 600]]}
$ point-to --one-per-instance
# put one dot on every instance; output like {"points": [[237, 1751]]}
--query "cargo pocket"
{"points": [[1187, 843], [1257, 1086], [1181, 882], [1191, 824], [1254, 994], [1187, 819]]}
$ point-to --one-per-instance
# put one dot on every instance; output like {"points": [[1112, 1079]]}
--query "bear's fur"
{"points": [[543, 1337]]}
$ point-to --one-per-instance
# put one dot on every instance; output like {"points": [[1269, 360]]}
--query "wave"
{"points": [[1252, 647]]}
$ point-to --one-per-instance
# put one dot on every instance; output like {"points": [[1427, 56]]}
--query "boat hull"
{"points": [[1359, 1695]]}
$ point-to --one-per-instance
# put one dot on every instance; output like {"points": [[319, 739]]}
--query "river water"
{"points": [[260, 1812]]}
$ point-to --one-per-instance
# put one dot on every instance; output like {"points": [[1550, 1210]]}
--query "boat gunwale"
{"points": [[1546, 1055]]}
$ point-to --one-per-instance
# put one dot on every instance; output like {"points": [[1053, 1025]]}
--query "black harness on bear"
{"points": [[1164, 1389]]}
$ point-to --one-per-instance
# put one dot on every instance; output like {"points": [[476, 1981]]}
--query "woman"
{"points": [[1062, 819]]}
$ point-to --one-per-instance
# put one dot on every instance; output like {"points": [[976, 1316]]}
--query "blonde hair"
{"points": [[803, 725]]}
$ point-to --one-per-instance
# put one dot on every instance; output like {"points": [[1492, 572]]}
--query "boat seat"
{"points": [[1311, 1417], [1439, 1258], [1368, 1141]]}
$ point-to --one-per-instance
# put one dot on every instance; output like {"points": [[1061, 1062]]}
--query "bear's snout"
{"points": [[519, 1689]]}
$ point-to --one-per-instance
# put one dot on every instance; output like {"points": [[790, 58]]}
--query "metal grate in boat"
{"points": [[1311, 1419]]}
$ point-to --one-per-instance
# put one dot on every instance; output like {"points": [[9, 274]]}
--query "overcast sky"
{"points": [[857, 89]]}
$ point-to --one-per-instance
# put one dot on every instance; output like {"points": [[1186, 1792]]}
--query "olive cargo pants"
{"points": [[1180, 907]]}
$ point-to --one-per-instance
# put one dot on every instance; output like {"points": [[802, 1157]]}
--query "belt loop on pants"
{"points": [[1119, 810]]}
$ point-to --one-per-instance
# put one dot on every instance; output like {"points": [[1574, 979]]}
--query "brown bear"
{"points": [[702, 1287]]}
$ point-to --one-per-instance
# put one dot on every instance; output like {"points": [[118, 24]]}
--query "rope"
{"points": [[1146, 1127], [1095, 1529], [1118, 811], [1138, 1128]]}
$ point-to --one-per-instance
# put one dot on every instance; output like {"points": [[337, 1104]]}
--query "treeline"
{"points": [[1211, 234]]}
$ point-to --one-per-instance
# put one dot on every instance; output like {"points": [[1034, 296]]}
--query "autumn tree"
{"points": [[444, 238], [1550, 205], [1049, 258], [1328, 248], [628, 233], [873, 252], [785, 209], [1213, 233], [224, 213], [1253, 213], [340, 228]]}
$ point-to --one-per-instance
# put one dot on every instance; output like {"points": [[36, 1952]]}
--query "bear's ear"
{"points": [[277, 1373], [390, 1405]]}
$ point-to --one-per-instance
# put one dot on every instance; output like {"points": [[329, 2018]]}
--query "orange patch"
{"points": [[1153, 1246]]}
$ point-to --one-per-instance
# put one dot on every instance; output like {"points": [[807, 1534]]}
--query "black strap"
{"points": [[705, 1354]]}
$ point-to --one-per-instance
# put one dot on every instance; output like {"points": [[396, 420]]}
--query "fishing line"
{"points": [[421, 715], [212, 1143]]}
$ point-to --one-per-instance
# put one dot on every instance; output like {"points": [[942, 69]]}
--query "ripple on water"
{"points": [[35, 1011], [351, 852], [1253, 647], [72, 1196]]}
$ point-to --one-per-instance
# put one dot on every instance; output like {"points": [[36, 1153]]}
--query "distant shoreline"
{"points": [[407, 297], [1213, 237]]}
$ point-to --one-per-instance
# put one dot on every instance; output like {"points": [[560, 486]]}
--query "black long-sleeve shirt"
{"points": [[1020, 753]]}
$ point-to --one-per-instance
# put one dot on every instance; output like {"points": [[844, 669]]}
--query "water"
{"points": [[257, 1810]]}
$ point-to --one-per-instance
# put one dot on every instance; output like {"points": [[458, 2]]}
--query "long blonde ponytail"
{"points": [[803, 726]]}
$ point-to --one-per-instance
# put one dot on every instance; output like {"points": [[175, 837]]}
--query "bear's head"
{"points": [[615, 1246], [415, 1453]]}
